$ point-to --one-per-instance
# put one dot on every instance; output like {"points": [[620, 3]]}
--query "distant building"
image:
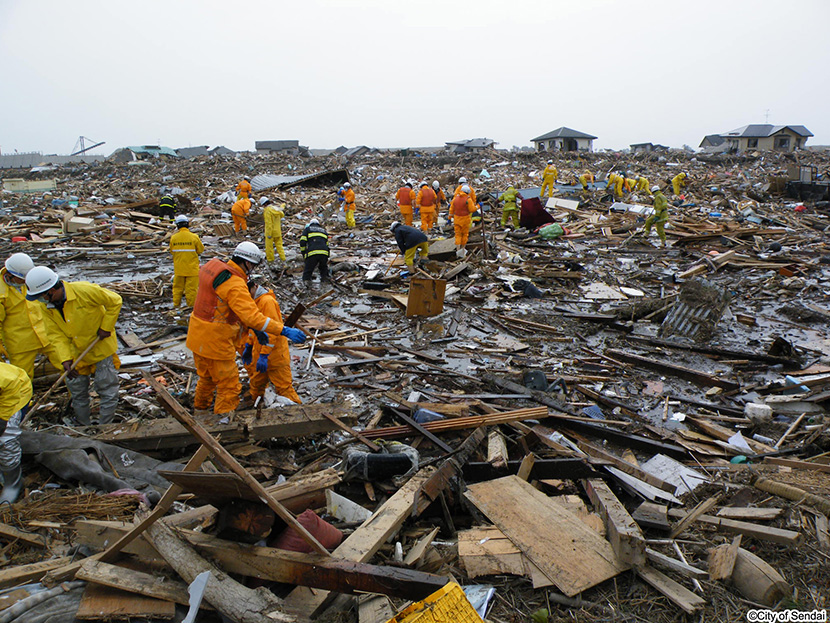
{"points": [[637, 148], [221, 150], [292, 148], [192, 152], [360, 150], [564, 139], [135, 153], [766, 137], [470, 146], [712, 140]]}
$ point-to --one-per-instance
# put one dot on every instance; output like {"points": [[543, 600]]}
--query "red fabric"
{"points": [[533, 214], [329, 536]]}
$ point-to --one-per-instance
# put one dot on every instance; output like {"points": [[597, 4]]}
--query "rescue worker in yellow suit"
{"points": [[240, 211], [549, 177], [243, 188], [660, 216], [15, 394], [642, 186], [461, 210], [427, 202], [511, 208], [223, 312], [75, 314], [614, 185], [185, 247], [273, 229], [22, 331], [585, 179], [349, 200], [405, 198], [271, 362], [678, 182]]}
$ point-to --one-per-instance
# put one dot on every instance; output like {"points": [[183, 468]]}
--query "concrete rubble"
{"points": [[598, 428]]}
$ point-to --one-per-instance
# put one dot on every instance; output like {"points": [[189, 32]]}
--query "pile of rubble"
{"points": [[586, 428]]}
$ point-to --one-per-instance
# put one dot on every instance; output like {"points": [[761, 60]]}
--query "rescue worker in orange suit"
{"points": [[440, 197], [271, 362], [185, 247], [240, 215], [427, 202], [461, 210], [349, 199], [405, 198], [22, 331], [223, 312], [462, 181], [549, 176], [243, 188]]}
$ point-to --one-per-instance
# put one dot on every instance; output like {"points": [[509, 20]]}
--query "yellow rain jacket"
{"points": [[15, 390], [185, 246], [21, 321]]}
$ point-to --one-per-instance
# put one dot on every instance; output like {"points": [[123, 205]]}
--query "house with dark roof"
{"points": [[712, 140], [221, 150], [291, 148], [472, 145], [767, 137], [637, 148], [192, 152], [564, 139]]}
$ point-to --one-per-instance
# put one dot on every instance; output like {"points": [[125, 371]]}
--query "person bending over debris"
{"points": [[660, 216], [678, 182], [349, 198], [411, 242], [273, 229], [314, 247], [642, 185], [167, 207], [585, 179], [461, 210], [186, 247], [76, 315], [270, 362], [223, 310], [614, 185], [511, 207], [15, 393], [244, 188], [239, 211], [427, 203], [549, 177], [405, 198], [21, 322]]}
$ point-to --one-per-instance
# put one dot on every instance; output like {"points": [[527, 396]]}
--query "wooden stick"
{"points": [[43, 398], [792, 427]]}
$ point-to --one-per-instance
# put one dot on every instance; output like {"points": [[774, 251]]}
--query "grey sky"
{"points": [[387, 73]]}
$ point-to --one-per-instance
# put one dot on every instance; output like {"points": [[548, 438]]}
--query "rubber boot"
{"points": [[12, 484]]}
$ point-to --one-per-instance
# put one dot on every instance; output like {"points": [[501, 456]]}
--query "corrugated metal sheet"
{"points": [[21, 161], [268, 181]]}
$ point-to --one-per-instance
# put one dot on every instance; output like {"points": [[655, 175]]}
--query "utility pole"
{"points": [[766, 116]]}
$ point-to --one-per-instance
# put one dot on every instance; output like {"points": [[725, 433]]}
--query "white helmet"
{"points": [[465, 189], [394, 226], [19, 265], [550, 161], [264, 201], [314, 221], [181, 219], [249, 251], [39, 280], [655, 188], [436, 185], [347, 185], [462, 180], [246, 178]]}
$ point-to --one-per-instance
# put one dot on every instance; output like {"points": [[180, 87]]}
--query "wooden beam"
{"points": [[762, 533], [10, 533], [676, 593], [496, 449], [696, 512], [227, 459], [621, 530], [133, 581], [675, 565], [818, 467], [695, 376], [33, 572]]}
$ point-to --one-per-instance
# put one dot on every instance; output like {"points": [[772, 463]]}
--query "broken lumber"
{"points": [[133, 581], [621, 530], [695, 376], [678, 566], [722, 559], [758, 581], [762, 533], [678, 594], [696, 512], [793, 493]]}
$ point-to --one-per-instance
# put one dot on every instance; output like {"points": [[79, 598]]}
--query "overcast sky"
{"points": [[390, 73]]}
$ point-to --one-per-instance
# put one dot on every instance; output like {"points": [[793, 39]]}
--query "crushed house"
{"points": [[766, 137], [564, 139], [291, 148], [637, 148], [470, 146]]}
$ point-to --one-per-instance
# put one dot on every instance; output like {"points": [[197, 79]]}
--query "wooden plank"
{"points": [[822, 531], [697, 511], [675, 565], [722, 559], [134, 581], [678, 594], [496, 449], [354, 433], [818, 467], [417, 551], [650, 515], [562, 546], [7, 600], [750, 513], [167, 433], [10, 533], [625, 466], [227, 460], [135, 343], [374, 609], [526, 466], [33, 572], [695, 376], [762, 533], [487, 551], [621, 530], [364, 542], [719, 432], [102, 602]]}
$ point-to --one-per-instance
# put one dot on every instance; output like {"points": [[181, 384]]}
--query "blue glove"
{"points": [[247, 354], [262, 363], [295, 335], [262, 336]]}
